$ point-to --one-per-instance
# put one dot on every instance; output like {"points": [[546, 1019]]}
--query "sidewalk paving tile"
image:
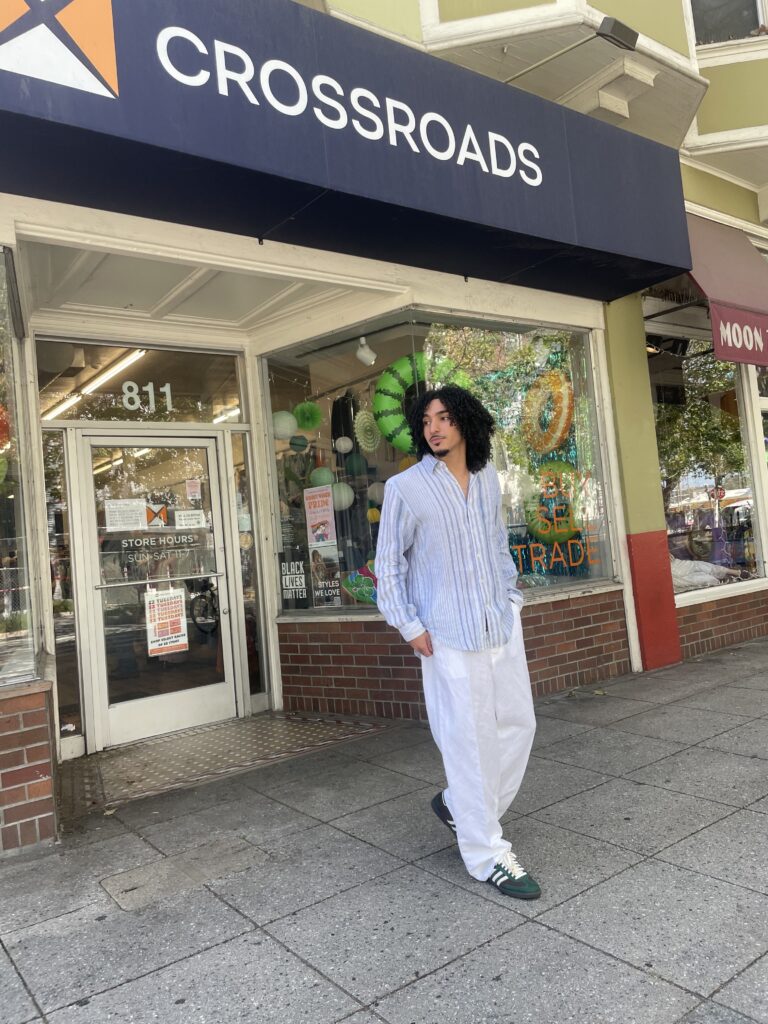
{"points": [[680, 724], [750, 739], [712, 774], [391, 931], [248, 979], [139, 887], [761, 806], [562, 862], [749, 992], [421, 762], [733, 700], [88, 951], [368, 747], [710, 1013], [638, 817], [694, 931], [590, 710], [255, 818], [758, 681], [553, 730], [667, 685], [303, 869], [608, 750], [533, 975], [734, 850], [61, 881], [15, 1004], [269, 777], [406, 826], [546, 782], [94, 828], [343, 789], [178, 802]]}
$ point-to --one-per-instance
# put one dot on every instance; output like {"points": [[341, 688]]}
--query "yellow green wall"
{"points": [[633, 415], [657, 19], [711, 191], [399, 16], [455, 10], [736, 97]]}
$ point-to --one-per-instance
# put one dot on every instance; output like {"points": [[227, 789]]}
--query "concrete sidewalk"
{"points": [[323, 888]]}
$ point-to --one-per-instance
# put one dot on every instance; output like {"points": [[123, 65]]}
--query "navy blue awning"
{"points": [[280, 123]]}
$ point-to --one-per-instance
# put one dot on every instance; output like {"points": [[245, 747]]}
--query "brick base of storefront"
{"points": [[723, 623], [27, 809], [363, 667]]}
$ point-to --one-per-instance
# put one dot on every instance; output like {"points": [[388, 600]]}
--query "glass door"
{"points": [[161, 659]]}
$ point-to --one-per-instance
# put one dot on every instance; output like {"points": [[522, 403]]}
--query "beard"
{"points": [[440, 453]]}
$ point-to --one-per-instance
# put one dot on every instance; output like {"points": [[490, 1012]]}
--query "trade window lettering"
{"points": [[373, 119]]}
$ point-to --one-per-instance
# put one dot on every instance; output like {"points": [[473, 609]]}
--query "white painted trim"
{"points": [[735, 51], [719, 593], [734, 140], [715, 172], [755, 232], [614, 502], [439, 35]]}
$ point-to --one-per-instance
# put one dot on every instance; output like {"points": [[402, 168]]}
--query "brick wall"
{"points": [[27, 813], [363, 667], [721, 623]]}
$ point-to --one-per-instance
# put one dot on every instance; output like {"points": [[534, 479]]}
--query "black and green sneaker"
{"points": [[513, 880], [440, 807]]}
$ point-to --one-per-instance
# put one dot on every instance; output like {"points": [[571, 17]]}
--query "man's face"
{"points": [[440, 432]]}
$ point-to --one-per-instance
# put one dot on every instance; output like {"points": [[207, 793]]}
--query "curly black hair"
{"points": [[475, 423]]}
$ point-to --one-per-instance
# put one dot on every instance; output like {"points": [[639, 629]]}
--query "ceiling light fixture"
{"points": [[61, 407], [610, 29], [118, 367], [365, 353]]}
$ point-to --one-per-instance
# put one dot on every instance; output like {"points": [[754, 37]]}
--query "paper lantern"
{"points": [[343, 496], [284, 425], [343, 445], [298, 443], [367, 431], [321, 476], [376, 492], [308, 415], [356, 465]]}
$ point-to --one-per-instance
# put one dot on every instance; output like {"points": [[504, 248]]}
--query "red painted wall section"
{"points": [[654, 599]]}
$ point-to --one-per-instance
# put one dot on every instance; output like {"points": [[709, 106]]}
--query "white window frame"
{"points": [[761, 6]]}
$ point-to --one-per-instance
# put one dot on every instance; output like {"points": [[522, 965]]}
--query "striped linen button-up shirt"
{"points": [[442, 559]]}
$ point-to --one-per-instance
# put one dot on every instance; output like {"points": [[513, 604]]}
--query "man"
{"points": [[447, 581]]}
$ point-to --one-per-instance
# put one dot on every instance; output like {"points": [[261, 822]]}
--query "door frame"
{"points": [[78, 441]]}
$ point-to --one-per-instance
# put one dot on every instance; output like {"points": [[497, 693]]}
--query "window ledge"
{"points": [[533, 596], [749, 48], [720, 593]]}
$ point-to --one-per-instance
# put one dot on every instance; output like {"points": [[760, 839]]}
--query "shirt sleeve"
{"points": [[396, 532], [507, 562]]}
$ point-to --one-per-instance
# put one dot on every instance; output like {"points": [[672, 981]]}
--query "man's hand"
{"points": [[423, 645]]}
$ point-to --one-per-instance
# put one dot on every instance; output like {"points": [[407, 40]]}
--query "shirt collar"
{"points": [[430, 464]]}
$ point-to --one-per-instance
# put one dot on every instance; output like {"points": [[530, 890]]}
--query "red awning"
{"points": [[734, 277]]}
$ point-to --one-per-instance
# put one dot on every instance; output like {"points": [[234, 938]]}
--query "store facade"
{"points": [[251, 245]]}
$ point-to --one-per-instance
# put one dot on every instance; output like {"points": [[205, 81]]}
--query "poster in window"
{"points": [[166, 622], [323, 551]]}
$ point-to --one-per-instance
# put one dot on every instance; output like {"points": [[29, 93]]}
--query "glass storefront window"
{"points": [[62, 588], [108, 382], [340, 433], [16, 647], [717, 21], [248, 574], [705, 475]]}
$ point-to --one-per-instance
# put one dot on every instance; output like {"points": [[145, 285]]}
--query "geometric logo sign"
{"points": [[67, 42]]}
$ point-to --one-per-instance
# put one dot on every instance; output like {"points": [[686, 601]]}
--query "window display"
{"points": [[339, 424], [705, 474]]}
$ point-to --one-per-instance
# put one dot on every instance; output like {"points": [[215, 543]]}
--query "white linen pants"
{"points": [[481, 716]]}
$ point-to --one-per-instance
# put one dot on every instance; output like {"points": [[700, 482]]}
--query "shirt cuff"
{"points": [[411, 630]]}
